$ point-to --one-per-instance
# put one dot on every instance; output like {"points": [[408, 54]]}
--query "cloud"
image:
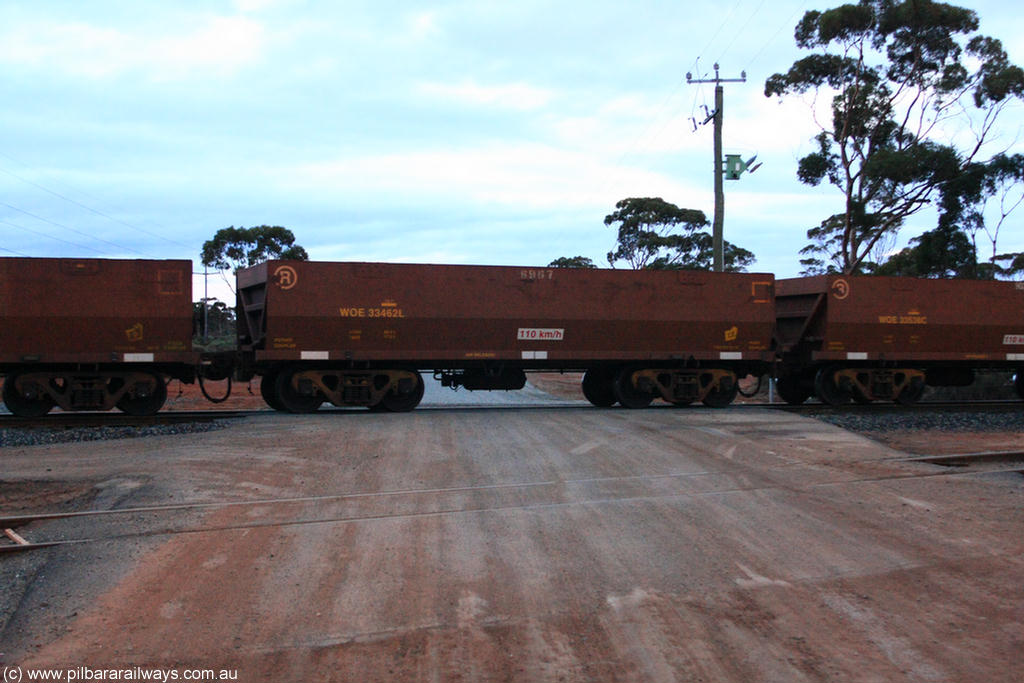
{"points": [[629, 128], [514, 96], [527, 175], [255, 5], [212, 45], [422, 25]]}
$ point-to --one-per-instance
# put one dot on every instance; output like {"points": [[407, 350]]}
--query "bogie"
{"points": [[33, 394], [303, 390]]}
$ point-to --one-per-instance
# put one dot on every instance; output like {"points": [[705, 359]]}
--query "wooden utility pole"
{"points": [[718, 241]]}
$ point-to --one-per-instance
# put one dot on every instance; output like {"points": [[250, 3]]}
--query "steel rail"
{"points": [[945, 471]]}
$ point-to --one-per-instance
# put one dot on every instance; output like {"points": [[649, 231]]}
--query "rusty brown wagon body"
{"points": [[868, 338], [95, 333], [91, 334], [360, 333]]}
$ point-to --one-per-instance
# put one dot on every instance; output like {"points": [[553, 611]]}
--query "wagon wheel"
{"points": [[627, 394], [827, 390], [403, 402], [911, 393], [597, 387], [268, 390], [290, 399], [21, 405], [720, 398], [792, 390], [859, 397], [144, 398]]}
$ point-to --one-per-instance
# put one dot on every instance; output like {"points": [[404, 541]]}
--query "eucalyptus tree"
{"points": [[915, 97], [655, 234], [235, 248]]}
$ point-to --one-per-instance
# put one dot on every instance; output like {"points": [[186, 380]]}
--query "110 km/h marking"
{"points": [[540, 334]]}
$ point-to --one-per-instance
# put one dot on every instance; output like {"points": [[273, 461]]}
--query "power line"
{"points": [[787, 22], [84, 206], [664, 106], [632, 149], [16, 253], [711, 41], [43, 234], [89, 208], [743, 28], [78, 232]]}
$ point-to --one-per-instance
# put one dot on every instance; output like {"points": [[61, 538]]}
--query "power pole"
{"points": [[718, 243]]}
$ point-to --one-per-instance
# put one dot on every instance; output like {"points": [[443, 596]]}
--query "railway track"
{"points": [[888, 407], [107, 419], [546, 495], [111, 419]]}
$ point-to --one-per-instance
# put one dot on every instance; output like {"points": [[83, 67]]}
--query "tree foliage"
{"points": [[235, 248], [942, 252], [572, 262], [949, 252], [214, 327], [655, 234], [904, 75], [966, 203]]}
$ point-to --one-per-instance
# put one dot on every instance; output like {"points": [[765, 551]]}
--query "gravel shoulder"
{"points": [[941, 442], [939, 432]]}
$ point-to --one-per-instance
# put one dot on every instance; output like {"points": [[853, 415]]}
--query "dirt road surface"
{"points": [[536, 543]]}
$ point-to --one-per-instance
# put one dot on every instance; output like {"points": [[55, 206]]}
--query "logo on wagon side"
{"points": [[135, 333], [285, 277], [840, 289]]}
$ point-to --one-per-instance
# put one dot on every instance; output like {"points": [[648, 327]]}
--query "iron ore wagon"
{"points": [[867, 338], [360, 334], [92, 334]]}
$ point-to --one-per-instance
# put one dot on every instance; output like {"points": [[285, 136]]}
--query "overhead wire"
{"points": [[86, 207], [737, 34], [57, 239], [70, 229], [700, 91], [789, 22], [83, 205], [645, 133], [634, 148], [714, 35]]}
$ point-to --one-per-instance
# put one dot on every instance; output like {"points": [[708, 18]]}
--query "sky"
{"points": [[426, 132]]}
